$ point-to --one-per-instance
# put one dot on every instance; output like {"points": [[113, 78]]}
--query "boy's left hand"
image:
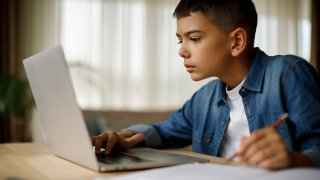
{"points": [[264, 148]]}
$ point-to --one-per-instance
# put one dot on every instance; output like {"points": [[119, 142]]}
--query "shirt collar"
{"points": [[256, 73], [221, 93], [253, 80]]}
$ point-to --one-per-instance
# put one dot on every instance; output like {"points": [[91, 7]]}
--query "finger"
{"points": [[275, 162], [126, 134], [279, 157], [246, 142], [99, 140], [267, 147], [129, 142], [260, 156], [263, 144], [113, 137]]}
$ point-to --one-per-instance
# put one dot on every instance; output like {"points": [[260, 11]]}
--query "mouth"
{"points": [[190, 68]]}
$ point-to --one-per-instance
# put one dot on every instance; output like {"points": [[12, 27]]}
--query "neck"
{"points": [[238, 70]]}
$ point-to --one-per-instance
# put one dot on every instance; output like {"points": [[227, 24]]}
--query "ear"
{"points": [[238, 41]]}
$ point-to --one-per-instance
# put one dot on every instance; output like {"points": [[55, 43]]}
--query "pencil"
{"points": [[273, 125]]}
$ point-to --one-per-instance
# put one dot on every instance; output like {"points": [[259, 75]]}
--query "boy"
{"points": [[233, 113]]}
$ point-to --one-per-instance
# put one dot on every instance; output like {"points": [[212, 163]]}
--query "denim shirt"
{"points": [[274, 85]]}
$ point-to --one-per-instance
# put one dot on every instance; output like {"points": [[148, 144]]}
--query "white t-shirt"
{"points": [[238, 124]]}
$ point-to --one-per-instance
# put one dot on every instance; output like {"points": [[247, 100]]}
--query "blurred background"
{"points": [[123, 56]]}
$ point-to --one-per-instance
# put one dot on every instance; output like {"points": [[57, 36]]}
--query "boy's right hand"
{"points": [[119, 140]]}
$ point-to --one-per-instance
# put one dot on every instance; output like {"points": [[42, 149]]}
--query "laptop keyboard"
{"points": [[119, 158]]}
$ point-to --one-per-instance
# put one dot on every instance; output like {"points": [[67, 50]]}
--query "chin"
{"points": [[197, 78]]}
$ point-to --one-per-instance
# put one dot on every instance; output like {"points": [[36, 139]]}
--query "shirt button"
{"points": [[248, 111], [209, 140]]}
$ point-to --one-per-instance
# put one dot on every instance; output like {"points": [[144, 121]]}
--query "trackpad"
{"points": [[119, 158]]}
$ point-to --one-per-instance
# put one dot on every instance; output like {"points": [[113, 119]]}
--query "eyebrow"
{"points": [[189, 32]]}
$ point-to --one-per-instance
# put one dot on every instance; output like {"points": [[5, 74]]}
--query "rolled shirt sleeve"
{"points": [[314, 155]]}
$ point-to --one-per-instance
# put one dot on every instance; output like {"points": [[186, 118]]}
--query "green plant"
{"points": [[16, 100]]}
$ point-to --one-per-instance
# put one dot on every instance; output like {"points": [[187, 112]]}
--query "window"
{"points": [[123, 54]]}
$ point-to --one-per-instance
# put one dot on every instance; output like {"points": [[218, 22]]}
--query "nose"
{"points": [[183, 52]]}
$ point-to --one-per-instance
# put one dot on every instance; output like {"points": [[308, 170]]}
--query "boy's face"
{"points": [[204, 48]]}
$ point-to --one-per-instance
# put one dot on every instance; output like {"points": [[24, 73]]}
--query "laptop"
{"points": [[64, 124]]}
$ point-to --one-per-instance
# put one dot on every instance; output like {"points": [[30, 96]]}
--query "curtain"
{"points": [[26, 28], [39, 26], [8, 62], [284, 27], [123, 54], [8, 37], [315, 50]]}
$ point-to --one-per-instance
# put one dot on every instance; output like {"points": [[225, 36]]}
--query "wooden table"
{"points": [[36, 161]]}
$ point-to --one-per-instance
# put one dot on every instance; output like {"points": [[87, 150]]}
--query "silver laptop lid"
{"points": [[55, 99]]}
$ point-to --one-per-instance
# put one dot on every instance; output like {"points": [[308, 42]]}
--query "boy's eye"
{"points": [[179, 41], [195, 39]]}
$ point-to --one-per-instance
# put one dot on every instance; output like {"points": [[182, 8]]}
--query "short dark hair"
{"points": [[226, 14]]}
